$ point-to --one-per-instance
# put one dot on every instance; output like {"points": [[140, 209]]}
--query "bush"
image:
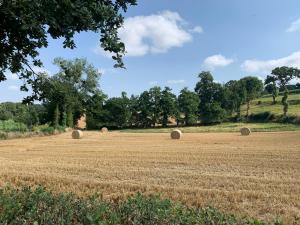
{"points": [[289, 119], [46, 129], [12, 126], [261, 117], [3, 135], [27, 206]]}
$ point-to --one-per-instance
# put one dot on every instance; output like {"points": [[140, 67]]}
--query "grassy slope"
{"points": [[266, 105]]}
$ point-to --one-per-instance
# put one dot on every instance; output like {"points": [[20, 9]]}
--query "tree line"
{"points": [[75, 91]]}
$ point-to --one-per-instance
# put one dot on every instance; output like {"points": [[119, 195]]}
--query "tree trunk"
{"points": [[285, 102], [274, 100], [248, 108], [56, 116]]}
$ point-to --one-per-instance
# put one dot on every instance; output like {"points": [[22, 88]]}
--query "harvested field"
{"points": [[257, 175]]}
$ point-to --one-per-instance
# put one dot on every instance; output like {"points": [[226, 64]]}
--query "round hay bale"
{"points": [[176, 134], [104, 130], [245, 131], [77, 134]]}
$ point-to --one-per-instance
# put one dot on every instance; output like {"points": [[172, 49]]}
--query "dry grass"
{"points": [[257, 175]]}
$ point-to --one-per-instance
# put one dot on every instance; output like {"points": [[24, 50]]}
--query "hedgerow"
{"points": [[38, 206]]}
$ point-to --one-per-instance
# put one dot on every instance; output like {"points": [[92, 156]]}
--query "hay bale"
{"points": [[68, 129], [77, 134], [245, 131], [104, 130], [176, 134]]}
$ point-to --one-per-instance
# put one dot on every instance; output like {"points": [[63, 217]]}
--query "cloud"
{"points": [[101, 71], [152, 83], [176, 81], [13, 87], [219, 60], [196, 29], [11, 76], [294, 26], [153, 34], [263, 67]]}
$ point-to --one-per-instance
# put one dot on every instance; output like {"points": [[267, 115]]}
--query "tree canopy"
{"points": [[253, 88], [282, 76], [210, 95], [26, 26]]}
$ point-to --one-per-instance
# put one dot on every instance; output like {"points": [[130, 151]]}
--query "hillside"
{"points": [[266, 105]]}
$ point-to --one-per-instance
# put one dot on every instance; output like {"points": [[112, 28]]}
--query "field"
{"points": [[223, 127], [257, 176], [267, 106]]}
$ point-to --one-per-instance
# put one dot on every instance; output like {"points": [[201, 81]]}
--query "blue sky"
{"points": [[170, 42]]}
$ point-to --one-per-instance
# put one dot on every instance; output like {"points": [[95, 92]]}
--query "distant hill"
{"points": [[264, 104]]}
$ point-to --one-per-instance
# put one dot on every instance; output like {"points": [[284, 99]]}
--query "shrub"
{"points": [[12, 126], [261, 117], [3, 135], [27, 206], [289, 119]]}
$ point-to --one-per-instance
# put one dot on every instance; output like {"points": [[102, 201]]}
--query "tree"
{"points": [[234, 96], [168, 105], [29, 115], [282, 76], [134, 111], [69, 89], [154, 103], [145, 110], [95, 113], [271, 87], [26, 25], [56, 116], [117, 110], [253, 88], [188, 105], [211, 95]]}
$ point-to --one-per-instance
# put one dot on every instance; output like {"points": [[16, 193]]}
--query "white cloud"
{"points": [[156, 33], [152, 83], [266, 66], [197, 29], [101, 71], [219, 60], [13, 87], [176, 81], [294, 26], [11, 76]]}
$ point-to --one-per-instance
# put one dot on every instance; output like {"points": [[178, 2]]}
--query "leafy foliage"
{"points": [[66, 94], [26, 25], [29, 115], [253, 88], [211, 95], [11, 126], [188, 105], [26, 206], [168, 104], [282, 76]]}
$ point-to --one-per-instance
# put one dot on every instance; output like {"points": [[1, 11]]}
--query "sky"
{"points": [[170, 42]]}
